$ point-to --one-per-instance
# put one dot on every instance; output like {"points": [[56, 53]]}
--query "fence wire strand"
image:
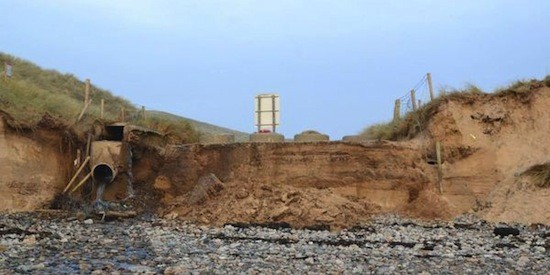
{"points": [[422, 97]]}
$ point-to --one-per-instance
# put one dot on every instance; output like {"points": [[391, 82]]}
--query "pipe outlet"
{"points": [[104, 173]]}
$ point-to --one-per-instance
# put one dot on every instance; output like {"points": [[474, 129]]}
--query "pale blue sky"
{"points": [[338, 65]]}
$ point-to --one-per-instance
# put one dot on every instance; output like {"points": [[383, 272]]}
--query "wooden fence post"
{"points": [[87, 100], [5, 71], [89, 144], [8, 71], [430, 87], [439, 167], [413, 100], [87, 91], [143, 117], [102, 108], [122, 114], [396, 110]]}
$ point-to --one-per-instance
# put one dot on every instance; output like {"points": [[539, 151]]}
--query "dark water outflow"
{"points": [[126, 260], [108, 246], [103, 173]]}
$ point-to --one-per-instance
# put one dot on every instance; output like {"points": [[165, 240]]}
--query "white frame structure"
{"points": [[267, 112]]}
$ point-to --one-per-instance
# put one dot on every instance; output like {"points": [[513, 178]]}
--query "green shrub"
{"points": [[471, 89], [380, 131]]}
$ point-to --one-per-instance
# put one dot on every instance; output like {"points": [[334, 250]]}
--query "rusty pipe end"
{"points": [[104, 173]]}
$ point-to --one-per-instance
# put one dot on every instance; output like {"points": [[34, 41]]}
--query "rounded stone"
{"points": [[311, 136]]}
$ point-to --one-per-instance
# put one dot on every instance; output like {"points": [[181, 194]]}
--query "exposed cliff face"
{"points": [[33, 167], [318, 165], [488, 142], [338, 183]]}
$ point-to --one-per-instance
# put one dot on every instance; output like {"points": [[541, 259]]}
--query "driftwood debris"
{"points": [[105, 215], [111, 215]]}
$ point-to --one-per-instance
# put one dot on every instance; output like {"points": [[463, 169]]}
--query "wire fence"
{"points": [[418, 96]]}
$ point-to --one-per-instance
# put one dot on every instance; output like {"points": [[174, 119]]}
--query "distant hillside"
{"points": [[207, 128], [33, 92]]}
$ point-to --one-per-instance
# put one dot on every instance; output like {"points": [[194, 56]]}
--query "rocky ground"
{"points": [[39, 243]]}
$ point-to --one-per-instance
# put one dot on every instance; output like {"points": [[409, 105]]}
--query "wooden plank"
{"points": [[76, 174], [87, 91], [109, 214], [102, 107], [82, 182], [143, 117], [439, 166]]}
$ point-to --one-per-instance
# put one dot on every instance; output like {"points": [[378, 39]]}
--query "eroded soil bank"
{"points": [[34, 165], [300, 183], [489, 142]]}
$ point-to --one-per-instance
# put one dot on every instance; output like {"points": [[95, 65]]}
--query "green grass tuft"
{"points": [[415, 122], [176, 130], [380, 131], [33, 92]]}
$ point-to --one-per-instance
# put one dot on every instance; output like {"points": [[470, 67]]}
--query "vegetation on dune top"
{"points": [[205, 128], [540, 175], [33, 92], [415, 121]]}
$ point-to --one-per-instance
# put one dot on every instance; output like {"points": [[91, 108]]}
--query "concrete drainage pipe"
{"points": [[105, 156], [104, 173]]}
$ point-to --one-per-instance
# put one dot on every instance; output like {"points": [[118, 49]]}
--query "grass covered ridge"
{"points": [[33, 92], [415, 121]]}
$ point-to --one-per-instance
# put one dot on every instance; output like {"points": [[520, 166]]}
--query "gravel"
{"points": [[33, 243]]}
